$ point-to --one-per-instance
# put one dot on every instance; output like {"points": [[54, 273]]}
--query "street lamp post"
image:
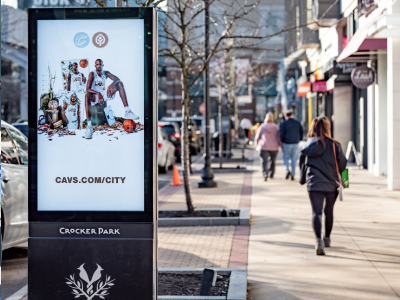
{"points": [[207, 175]]}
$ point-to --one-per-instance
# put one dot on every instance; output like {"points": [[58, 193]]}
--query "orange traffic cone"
{"points": [[176, 179]]}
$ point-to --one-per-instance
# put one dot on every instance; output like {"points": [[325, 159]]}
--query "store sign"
{"points": [[320, 86], [363, 76], [365, 7], [343, 68], [303, 89]]}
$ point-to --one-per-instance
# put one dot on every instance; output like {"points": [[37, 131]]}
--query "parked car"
{"points": [[174, 135], [14, 186], [194, 140], [166, 155], [21, 125]]}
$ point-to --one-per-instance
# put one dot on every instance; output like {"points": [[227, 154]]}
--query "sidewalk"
{"points": [[364, 262]]}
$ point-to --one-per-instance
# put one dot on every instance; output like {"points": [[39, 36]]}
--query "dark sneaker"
{"points": [[319, 247], [327, 242], [287, 175], [291, 178], [265, 178]]}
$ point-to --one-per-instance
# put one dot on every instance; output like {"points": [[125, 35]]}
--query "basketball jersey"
{"points": [[72, 113], [99, 82], [76, 82]]}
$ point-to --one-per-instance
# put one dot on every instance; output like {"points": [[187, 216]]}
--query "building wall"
{"points": [[380, 167], [342, 111]]}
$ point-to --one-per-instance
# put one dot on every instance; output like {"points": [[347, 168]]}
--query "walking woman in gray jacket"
{"points": [[318, 170]]}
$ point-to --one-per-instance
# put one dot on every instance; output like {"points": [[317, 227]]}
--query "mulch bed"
{"points": [[188, 284], [198, 214]]}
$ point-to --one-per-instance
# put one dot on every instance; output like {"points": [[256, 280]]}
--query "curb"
{"points": [[20, 294], [243, 219]]}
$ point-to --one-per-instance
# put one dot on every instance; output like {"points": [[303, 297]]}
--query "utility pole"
{"points": [[207, 174], [173, 97]]}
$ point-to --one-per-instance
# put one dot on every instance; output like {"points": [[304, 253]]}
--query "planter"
{"points": [[237, 289]]}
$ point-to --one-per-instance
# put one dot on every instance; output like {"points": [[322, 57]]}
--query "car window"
{"points": [[8, 155], [22, 145], [164, 134], [169, 129]]}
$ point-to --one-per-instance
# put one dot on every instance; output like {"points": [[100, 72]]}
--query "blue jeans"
{"points": [[291, 152]]}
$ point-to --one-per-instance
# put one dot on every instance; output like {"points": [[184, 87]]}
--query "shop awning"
{"points": [[360, 48]]}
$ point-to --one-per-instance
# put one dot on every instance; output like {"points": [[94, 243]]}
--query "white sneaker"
{"points": [[89, 132], [130, 115]]}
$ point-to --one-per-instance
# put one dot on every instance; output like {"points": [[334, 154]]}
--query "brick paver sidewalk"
{"points": [[195, 247]]}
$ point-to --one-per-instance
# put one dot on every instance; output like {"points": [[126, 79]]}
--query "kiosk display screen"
{"points": [[90, 128]]}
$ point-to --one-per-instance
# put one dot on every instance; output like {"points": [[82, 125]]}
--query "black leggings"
{"points": [[317, 203]]}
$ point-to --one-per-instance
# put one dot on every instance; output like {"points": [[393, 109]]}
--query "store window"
{"points": [[11, 92]]}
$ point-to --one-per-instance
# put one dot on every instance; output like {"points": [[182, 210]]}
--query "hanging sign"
{"points": [[362, 76], [303, 89]]}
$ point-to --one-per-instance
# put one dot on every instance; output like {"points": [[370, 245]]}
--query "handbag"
{"points": [[341, 185]]}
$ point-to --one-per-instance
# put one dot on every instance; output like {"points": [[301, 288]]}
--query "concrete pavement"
{"points": [[364, 262]]}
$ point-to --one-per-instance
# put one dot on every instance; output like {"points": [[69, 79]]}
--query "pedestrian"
{"points": [[246, 125], [268, 143], [318, 169], [291, 134]]}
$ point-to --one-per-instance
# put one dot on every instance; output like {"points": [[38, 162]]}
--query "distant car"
{"points": [[174, 135], [21, 125], [166, 155], [199, 123], [14, 186], [194, 139]]}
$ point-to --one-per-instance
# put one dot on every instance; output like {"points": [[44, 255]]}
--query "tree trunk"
{"points": [[236, 119], [185, 144], [221, 132]]}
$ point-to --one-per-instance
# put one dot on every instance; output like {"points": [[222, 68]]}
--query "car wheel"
{"points": [[1, 236], [171, 166], [163, 169]]}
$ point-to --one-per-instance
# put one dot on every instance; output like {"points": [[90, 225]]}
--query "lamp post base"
{"points": [[207, 178], [207, 183]]}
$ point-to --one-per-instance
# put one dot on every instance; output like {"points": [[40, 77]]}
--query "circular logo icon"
{"points": [[81, 40], [100, 39]]}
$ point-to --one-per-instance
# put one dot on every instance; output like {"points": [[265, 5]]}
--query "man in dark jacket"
{"points": [[291, 133]]}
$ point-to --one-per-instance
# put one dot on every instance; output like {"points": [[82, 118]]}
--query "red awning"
{"points": [[359, 42]]}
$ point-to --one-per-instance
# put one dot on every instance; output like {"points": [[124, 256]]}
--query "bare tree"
{"points": [[226, 81], [183, 28]]}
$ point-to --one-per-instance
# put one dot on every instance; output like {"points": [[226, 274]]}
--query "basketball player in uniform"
{"points": [[96, 94], [73, 112], [76, 79]]}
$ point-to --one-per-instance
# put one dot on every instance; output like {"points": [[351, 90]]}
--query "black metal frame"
{"points": [[149, 215]]}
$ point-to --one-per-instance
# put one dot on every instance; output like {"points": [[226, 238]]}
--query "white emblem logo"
{"points": [[87, 289], [100, 39]]}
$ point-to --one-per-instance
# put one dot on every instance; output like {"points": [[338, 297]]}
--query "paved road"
{"points": [[14, 266], [13, 270]]}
